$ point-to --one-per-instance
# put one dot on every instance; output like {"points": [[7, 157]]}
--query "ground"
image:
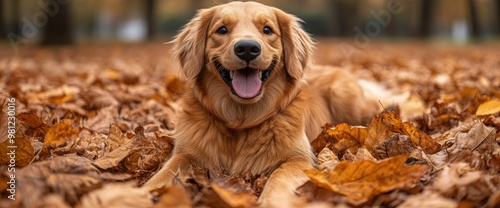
{"points": [[83, 126]]}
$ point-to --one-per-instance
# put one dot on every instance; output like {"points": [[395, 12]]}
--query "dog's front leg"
{"points": [[279, 190], [176, 165]]}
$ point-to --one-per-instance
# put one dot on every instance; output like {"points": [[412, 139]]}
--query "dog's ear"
{"points": [[189, 44], [297, 45]]}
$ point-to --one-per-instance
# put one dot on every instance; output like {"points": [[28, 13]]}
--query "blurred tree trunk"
{"points": [[344, 14], [14, 21], [58, 29], [498, 17], [150, 18], [473, 19], [426, 16]]}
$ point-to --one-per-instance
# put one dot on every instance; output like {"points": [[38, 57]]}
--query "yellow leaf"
{"points": [[112, 74], [488, 108], [363, 180]]}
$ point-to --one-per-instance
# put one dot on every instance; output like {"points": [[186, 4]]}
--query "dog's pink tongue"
{"points": [[246, 83]]}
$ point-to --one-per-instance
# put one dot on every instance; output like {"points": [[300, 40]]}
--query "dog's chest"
{"points": [[246, 151]]}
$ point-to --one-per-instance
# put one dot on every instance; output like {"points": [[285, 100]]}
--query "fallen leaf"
{"points": [[123, 195], [363, 180], [472, 136], [385, 125], [428, 199], [397, 144], [139, 154], [459, 181], [234, 200], [175, 196], [327, 160], [20, 153], [488, 108], [59, 134], [421, 139], [35, 126], [68, 176], [382, 127], [340, 138], [114, 158]]}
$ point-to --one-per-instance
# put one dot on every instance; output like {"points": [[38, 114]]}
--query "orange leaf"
{"points": [[175, 196], [58, 134], [421, 139], [381, 128], [385, 125], [242, 199], [344, 137], [363, 180], [21, 151], [488, 108]]}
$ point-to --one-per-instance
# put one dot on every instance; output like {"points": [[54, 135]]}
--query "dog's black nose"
{"points": [[247, 50]]}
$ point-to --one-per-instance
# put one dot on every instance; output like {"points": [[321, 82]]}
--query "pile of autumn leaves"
{"points": [[90, 131], [393, 163]]}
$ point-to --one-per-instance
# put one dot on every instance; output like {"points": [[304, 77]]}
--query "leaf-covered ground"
{"points": [[93, 123]]}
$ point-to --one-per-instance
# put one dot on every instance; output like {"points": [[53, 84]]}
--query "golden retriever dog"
{"points": [[251, 108]]}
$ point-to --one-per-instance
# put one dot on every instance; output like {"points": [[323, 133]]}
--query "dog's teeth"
{"points": [[231, 74], [260, 74]]}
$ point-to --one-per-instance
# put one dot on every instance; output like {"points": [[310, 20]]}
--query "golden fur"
{"points": [[269, 133]]}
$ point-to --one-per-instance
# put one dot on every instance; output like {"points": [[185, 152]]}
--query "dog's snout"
{"points": [[247, 50]]}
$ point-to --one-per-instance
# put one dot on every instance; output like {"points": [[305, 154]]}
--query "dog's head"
{"points": [[245, 44]]}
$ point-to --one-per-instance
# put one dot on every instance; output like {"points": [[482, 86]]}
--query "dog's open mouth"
{"points": [[246, 82]]}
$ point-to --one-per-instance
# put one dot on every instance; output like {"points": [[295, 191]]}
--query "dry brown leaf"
{"points": [[114, 158], [428, 199], [327, 160], [388, 124], [421, 139], [35, 126], [488, 108], [459, 181], [322, 140], [235, 200], [55, 95], [363, 180], [18, 154], [347, 138], [139, 154], [382, 127], [340, 139], [397, 144], [175, 196], [59, 134], [473, 136], [364, 154], [118, 195], [68, 176]]}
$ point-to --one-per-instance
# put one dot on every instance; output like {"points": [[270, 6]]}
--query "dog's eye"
{"points": [[222, 30], [267, 30]]}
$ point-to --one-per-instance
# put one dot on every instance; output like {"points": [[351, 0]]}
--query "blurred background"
{"points": [[54, 22]]}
